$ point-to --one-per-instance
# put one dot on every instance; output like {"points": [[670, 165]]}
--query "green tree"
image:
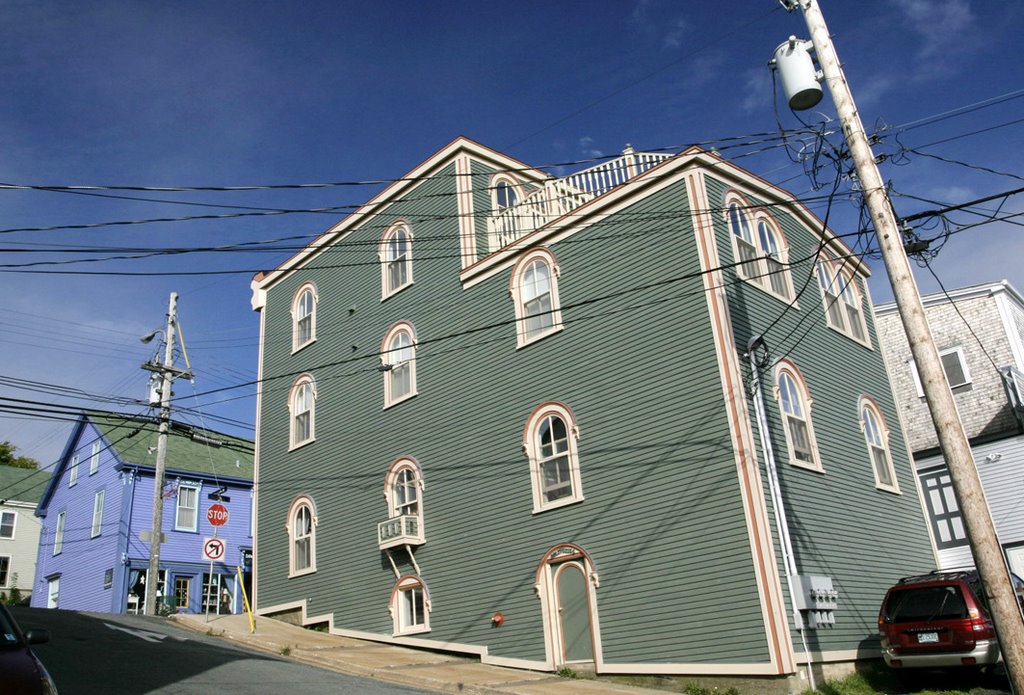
{"points": [[8, 457]]}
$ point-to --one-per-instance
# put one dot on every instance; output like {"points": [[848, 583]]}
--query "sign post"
{"points": [[214, 548]]}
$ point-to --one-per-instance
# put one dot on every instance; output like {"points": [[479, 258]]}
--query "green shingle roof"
{"points": [[22, 484], [189, 449]]}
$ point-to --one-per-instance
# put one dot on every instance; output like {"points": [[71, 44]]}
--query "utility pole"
{"points": [[988, 555], [166, 372]]}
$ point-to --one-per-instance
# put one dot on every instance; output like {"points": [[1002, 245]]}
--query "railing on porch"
{"points": [[562, 196]]}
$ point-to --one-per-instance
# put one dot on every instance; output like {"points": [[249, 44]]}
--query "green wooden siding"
{"points": [[840, 524], [662, 516]]}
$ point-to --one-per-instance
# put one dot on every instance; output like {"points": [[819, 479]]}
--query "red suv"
{"points": [[939, 620]]}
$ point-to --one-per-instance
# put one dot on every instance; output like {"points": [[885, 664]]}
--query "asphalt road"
{"points": [[94, 653]]}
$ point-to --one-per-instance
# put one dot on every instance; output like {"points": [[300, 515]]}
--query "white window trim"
{"points": [[97, 512], [14, 523], [867, 403], [942, 353], [839, 279], [516, 186], [197, 487], [515, 291], [299, 382], [382, 255], [311, 288], [73, 472], [301, 502], [387, 367], [808, 407], [406, 583], [403, 464], [6, 583], [757, 273], [531, 449], [58, 534], [94, 458]]}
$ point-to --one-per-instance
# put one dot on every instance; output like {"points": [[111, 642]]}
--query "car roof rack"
{"points": [[940, 575]]}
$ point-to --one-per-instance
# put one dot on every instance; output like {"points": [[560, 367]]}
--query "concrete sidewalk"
{"points": [[442, 673]]}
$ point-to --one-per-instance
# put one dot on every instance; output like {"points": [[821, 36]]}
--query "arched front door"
{"points": [[567, 585]]}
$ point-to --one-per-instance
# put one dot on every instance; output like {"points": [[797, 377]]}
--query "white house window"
{"points": [[876, 434], [761, 254], [843, 303], [7, 521], [94, 458], [58, 534], [953, 364], [396, 259], [302, 537], [73, 473], [795, 404], [403, 489], [5, 571], [410, 606], [535, 293], [301, 406], [775, 275], [746, 249], [186, 515], [550, 442], [505, 195], [398, 362], [304, 317], [97, 513]]}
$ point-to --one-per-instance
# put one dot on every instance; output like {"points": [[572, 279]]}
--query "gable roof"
{"points": [[133, 440], [22, 484], [189, 449]]}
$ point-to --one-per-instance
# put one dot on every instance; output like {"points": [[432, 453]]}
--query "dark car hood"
{"points": [[19, 672]]}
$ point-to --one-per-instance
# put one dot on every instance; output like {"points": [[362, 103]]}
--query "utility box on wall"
{"points": [[816, 599]]}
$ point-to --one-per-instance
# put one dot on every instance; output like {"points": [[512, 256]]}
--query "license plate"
{"points": [[925, 637]]}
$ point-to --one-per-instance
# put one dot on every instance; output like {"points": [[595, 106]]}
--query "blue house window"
{"points": [[186, 515]]}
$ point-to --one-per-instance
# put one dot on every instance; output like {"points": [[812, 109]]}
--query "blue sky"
{"points": [[229, 93]]}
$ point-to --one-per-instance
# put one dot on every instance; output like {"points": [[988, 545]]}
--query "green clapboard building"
{"points": [[634, 419]]}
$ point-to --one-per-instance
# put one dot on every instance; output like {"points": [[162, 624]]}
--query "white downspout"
{"points": [[778, 507]]}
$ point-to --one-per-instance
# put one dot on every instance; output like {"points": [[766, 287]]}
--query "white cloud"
{"points": [[936, 22]]}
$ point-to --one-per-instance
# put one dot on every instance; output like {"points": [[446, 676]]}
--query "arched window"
{"points": [[535, 293], [505, 195], [302, 521], [763, 254], [396, 258], [746, 249], [876, 435], [301, 406], [550, 443], [410, 606], [843, 303], [304, 316], [403, 489], [398, 362], [795, 404]]}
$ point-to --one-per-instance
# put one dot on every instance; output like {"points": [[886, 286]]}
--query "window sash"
{"points": [[187, 513], [883, 471], [73, 475], [58, 536], [5, 570], [97, 513], [799, 439], [94, 458], [412, 608], [7, 520]]}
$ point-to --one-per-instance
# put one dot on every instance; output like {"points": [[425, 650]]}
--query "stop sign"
{"points": [[217, 514]]}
